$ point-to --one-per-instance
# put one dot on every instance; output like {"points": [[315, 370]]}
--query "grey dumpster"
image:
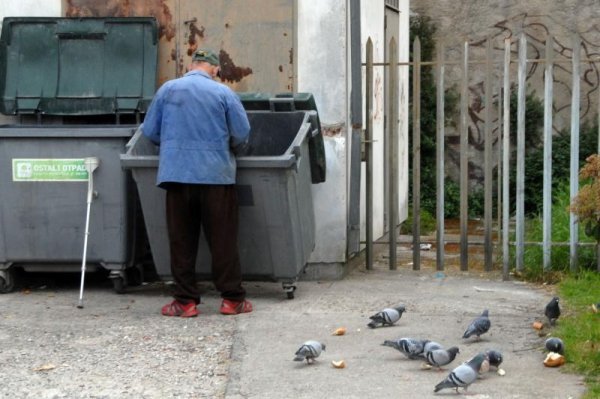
{"points": [[78, 87], [277, 226]]}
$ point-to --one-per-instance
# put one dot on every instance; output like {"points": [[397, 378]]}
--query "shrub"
{"points": [[560, 255]]}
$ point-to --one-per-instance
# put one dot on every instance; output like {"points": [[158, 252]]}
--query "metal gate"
{"points": [[496, 113]]}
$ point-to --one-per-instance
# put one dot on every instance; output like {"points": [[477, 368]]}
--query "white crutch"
{"points": [[91, 164]]}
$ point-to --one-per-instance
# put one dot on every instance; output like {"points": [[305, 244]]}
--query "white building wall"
{"points": [[322, 70], [403, 112], [372, 17], [30, 8]]}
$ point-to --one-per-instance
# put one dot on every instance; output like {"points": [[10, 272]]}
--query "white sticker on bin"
{"points": [[69, 169]]}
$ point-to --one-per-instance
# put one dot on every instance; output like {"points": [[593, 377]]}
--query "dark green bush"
{"points": [[423, 28]]}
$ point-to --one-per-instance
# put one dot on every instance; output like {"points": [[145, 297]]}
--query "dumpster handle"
{"points": [[287, 101], [297, 154]]}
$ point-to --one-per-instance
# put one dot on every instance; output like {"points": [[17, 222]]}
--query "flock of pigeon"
{"points": [[434, 353]]}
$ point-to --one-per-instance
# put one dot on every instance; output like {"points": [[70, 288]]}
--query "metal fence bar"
{"points": [[547, 185], [416, 155], [393, 153], [520, 189], [439, 151], [487, 163], [464, 161], [369, 155], [482, 62], [574, 169], [499, 195], [506, 160]]}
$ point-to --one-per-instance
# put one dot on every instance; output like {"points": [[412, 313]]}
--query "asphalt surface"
{"points": [[119, 346]]}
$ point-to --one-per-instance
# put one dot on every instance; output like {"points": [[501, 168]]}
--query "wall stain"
{"points": [[130, 8], [195, 32], [229, 71], [332, 130]]}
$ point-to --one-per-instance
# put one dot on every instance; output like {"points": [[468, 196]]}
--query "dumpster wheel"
{"points": [[7, 281], [289, 289], [119, 280]]}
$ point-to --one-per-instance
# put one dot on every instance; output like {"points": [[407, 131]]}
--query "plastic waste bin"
{"points": [[277, 225], [85, 76]]}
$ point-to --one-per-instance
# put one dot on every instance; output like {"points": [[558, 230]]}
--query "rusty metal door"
{"points": [[254, 38]]}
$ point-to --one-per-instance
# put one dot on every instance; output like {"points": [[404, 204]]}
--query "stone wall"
{"points": [[474, 21]]}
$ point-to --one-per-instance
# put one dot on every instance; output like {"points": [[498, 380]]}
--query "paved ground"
{"points": [[119, 346]]}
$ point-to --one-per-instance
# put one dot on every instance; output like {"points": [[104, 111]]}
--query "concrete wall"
{"points": [[323, 70], [322, 67], [474, 21], [372, 15], [322, 48]]}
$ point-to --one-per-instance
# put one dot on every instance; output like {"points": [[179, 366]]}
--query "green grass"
{"points": [[559, 258], [579, 327]]}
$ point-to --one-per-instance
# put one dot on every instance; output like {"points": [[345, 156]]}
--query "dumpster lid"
{"points": [[257, 101], [77, 66], [290, 102], [281, 102]]}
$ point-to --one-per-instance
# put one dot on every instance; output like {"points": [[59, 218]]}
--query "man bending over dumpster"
{"points": [[198, 124]]}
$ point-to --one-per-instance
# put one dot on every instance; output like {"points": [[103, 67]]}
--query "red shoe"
{"points": [[235, 307], [179, 309]]}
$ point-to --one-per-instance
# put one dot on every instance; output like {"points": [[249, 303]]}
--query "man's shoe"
{"points": [[179, 309], [235, 307]]}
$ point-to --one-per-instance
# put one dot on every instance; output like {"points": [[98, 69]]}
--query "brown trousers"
{"points": [[214, 210]]}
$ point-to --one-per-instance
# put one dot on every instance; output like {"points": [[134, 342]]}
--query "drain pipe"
{"points": [[353, 244]]}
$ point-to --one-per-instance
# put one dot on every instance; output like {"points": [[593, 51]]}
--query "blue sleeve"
{"points": [[237, 120], [153, 119]]}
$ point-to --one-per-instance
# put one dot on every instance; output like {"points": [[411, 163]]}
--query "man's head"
{"points": [[206, 60]]}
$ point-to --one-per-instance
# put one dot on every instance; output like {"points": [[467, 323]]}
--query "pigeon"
{"points": [[463, 375], [386, 317], [309, 351], [412, 348], [596, 307], [441, 357], [555, 345], [552, 310], [430, 346], [479, 326], [494, 357]]}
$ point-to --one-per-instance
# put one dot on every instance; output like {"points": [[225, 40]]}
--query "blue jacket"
{"points": [[196, 121]]}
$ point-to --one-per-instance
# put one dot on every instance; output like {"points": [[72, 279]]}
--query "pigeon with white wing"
{"points": [[463, 375], [309, 351], [387, 317], [412, 348], [441, 357]]}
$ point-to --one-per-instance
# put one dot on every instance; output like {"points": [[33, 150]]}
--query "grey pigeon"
{"points": [[441, 357], [494, 357], [386, 317], [412, 348], [479, 326], [463, 375], [552, 310], [555, 345], [431, 346], [309, 351]]}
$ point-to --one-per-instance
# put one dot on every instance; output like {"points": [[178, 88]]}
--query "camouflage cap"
{"points": [[206, 55]]}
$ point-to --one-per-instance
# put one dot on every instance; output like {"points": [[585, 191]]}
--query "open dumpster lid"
{"points": [[77, 66], [290, 102]]}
